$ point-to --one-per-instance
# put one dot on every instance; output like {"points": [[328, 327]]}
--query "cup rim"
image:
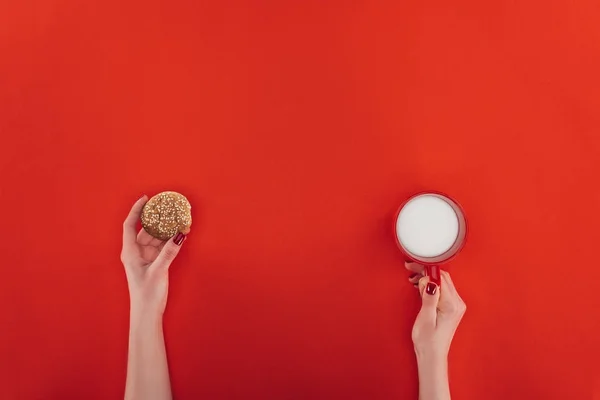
{"points": [[405, 253]]}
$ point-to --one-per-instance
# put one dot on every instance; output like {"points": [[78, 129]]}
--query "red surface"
{"points": [[296, 129]]}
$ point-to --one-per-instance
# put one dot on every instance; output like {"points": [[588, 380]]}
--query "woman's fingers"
{"points": [[414, 267], [451, 289], [145, 239], [430, 297], [129, 226], [451, 306], [417, 272], [169, 251], [414, 278]]}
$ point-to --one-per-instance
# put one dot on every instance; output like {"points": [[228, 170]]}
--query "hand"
{"points": [[146, 261], [441, 312]]}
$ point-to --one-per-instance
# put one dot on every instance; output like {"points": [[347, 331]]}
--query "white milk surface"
{"points": [[427, 226]]}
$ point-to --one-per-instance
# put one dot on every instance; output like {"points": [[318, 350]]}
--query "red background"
{"points": [[296, 129]]}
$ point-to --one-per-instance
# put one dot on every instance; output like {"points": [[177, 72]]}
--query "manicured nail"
{"points": [[412, 276], [179, 238], [431, 288]]}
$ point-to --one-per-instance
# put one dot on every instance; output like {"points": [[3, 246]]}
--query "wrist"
{"points": [[144, 314], [431, 357], [433, 375], [432, 365]]}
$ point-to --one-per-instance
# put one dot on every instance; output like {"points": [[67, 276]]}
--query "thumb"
{"points": [[169, 251], [430, 295]]}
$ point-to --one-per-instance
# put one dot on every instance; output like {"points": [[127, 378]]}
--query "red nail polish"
{"points": [[431, 288], [179, 238]]}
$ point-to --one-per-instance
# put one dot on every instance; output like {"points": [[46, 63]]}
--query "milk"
{"points": [[427, 226]]}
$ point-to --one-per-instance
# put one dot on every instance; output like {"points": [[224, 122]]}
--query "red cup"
{"points": [[432, 264]]}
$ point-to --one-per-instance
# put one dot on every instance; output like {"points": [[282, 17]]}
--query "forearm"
{"points": [[147, 368], [433, 377]]}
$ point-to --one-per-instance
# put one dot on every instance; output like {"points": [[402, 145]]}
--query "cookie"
{"points": [[166, 214]]}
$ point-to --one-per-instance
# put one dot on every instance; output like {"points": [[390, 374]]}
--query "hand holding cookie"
{"points": [[148, 254]]}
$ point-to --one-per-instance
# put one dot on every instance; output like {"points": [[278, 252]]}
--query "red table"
{"points": [[296, 129]]}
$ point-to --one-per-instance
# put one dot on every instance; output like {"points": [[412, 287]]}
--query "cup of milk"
{"points": [[430, 230]]}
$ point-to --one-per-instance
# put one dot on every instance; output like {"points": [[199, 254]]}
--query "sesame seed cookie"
{"points": [[166, 214]]}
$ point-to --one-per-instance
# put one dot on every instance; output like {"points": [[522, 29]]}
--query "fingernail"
{"points": [[431, 288], [412, 276], [179, 238]]}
